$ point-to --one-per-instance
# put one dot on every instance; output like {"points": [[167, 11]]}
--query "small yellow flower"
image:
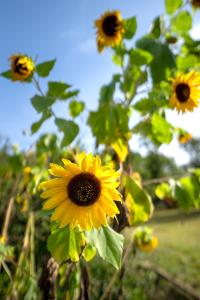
{"points": [[22, 67], [150, 246], [186, 91], [110, 30], [82, 194], [196, 3], [184, 138], [2, 240], [27, 170], [144, 239]]}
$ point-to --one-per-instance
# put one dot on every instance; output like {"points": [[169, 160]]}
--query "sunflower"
{"points": [[150, 246], [83, 194], [186, 91], [22, 67], [196, 3], [109, 29], [144, 239], [184, 138]]}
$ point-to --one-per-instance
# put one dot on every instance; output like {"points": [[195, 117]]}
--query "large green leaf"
{"points": [[157, 27], [36, 125], [42, 103], [56, 88], [149, 105], [69, 129], [138, 196], [108, 243], [140, 57], [76, 108], [45, 68], [163, 191], [106, 93], [161, 129], [64, 244], [130, 26], [182, 22], [163, 58], [187, 192], [172, 5], [109, 122]]}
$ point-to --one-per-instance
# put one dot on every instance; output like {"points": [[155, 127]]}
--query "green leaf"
{"points": [[36, 126], [163, 58], [108, 243], [76, 108], [15, 162], [106, 93], [172, 5], [147, 105], [42, 103], [182, 22], [69, 94], [109, 122], [140, 57], [45, 68], [161, 129], [56, 89], [64, 244], [187, 192], [69, 128], [7, 74], [117, 59], [156, 27], [186, 62], [130, 26], [163, 191], [89, 252], [140, 198]]}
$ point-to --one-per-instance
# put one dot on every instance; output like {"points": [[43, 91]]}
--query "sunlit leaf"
{"points": [[121, 148], [130, 26], [89, 252], [64, 244], [76, 108], [182, 22], [161, 129], [138, 202], [172, 5], [108, 243]]}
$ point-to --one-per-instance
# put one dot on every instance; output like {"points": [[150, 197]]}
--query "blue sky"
{"points": [[63, 30]]}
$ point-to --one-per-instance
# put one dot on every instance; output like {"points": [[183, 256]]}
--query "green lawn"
{"points": [[178, 253], [179, 245]]}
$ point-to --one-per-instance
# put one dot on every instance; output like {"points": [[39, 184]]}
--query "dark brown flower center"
{"points": [[196, 3], [110, 25], [20, 68], [182, 92], [84, 189]]}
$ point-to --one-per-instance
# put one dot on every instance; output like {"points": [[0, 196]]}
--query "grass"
{"points": [[179, 245], [178, 253]]}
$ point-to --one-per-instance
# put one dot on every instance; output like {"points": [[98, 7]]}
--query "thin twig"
{"points": [[9, 210], [163, 179]]}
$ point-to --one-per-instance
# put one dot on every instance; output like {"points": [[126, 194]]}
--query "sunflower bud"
{"points": [[22, 67]]}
